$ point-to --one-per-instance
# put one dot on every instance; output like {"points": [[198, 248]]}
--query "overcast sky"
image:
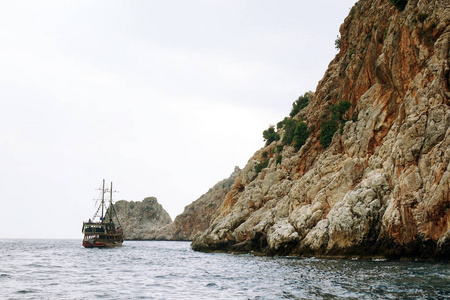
{"points": [[164, 98]]}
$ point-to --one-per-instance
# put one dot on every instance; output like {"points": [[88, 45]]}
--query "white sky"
{"points": [[164, 98]]}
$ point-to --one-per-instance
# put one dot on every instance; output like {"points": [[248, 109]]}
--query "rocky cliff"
{"points": [[197, 216], [381, 186], [141, 219]]}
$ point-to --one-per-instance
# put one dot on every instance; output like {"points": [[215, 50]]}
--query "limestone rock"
{"points": [[140, 220], [382, 187]]}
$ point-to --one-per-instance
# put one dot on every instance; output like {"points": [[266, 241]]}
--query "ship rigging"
{"points": [[107, 231]]}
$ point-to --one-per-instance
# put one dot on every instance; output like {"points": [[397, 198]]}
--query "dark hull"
{"points": [[101, 243], [101, 235]]}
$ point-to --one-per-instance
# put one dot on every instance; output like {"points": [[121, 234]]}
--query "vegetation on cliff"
{"points": [[300, 103], [270, 135], [381, 186], [400, 4], [295, 132], [337, 119]]}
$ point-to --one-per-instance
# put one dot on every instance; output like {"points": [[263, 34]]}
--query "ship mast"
{"points": [[110, 204], [103, 200]]}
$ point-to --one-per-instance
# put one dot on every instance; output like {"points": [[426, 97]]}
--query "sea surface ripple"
{"points": [[63, 269]]}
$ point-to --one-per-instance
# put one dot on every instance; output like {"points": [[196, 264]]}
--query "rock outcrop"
{"points": [[197, 216], [140, 220], [382, 187]]}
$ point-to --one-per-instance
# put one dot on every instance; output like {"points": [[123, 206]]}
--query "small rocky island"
{"points": [[140, 220]]}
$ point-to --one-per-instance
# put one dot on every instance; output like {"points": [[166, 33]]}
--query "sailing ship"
{"points": [[107, 231]]}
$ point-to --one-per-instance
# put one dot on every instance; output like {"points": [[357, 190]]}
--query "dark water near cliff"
{"points": [[63, 269]]}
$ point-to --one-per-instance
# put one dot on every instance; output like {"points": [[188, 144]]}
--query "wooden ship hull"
{"points": [[98, 235], [107, 232]]}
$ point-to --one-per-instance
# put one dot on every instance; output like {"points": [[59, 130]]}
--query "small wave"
{"points": [[379, 259], [25, 292], [211, 285], [35, 265]]}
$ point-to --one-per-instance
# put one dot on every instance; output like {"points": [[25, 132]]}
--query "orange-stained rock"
{"points": [[383, 185]]}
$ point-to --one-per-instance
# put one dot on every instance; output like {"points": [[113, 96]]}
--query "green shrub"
{"points": [[327, 131], [279, 158], [294, 131], [270, 135], [281, 123], [301, 134], [337, 118], [277, 148], [400, 4], [337, 43], [289, 131], [351, 52], [299, 104], [339, 109], [422, 17], [261, 165]]}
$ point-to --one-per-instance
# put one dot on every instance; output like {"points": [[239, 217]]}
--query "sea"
{"points": [[63, 269]]}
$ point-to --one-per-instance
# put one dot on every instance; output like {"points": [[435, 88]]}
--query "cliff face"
{"points": [[382, 186], [197, 216], [141, 219]]}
